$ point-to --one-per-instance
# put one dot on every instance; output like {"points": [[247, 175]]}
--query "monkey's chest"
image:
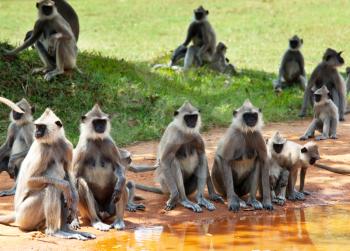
{"points": [[243, 163], [19, 145], [188, 158], [293, 70]]}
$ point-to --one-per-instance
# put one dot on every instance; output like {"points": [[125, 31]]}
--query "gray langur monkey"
{"points": [[100, 173], [61, 52], [240, 163], [203, 38], [292, 68], [326, 73], [326, 117], [46, 196], [183, 166], [219, 61], [278, 175], [19, 139]]}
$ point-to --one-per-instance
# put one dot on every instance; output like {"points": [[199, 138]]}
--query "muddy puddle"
{"points": [[316, 228]]}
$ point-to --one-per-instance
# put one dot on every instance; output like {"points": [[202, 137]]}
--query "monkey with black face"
{"points": [[61, 50], [278, 175], [183, 166], [219, 61], [46, 194], [99, 172], [19, 139], [325, 117], [292, 68], [203, 38], [326, 73], [240, 160]]}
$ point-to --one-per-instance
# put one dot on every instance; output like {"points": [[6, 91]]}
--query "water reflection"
{"points": [[320, 228]]}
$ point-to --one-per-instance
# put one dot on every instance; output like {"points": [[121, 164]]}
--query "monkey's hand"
{"points": [[74, 225], [11, 168], [69, 198], [233, 204], [116, 195], [215, 197]]}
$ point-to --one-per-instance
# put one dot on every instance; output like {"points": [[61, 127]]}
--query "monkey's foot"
{"points": [[131, 207], [101, 226], [234, 204], [7, 192], [279, 200], [190, 205], [50, 75], [255, 204], [333, 137], [305, 192], [242, 203], [74, 225], [41, 70], [118, 224], [267, 206], [296, 196], [68, 235], [205, 203], [216, 197], [321, 137]]}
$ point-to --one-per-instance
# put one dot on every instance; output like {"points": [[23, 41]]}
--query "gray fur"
{"points": [[219, 61]]}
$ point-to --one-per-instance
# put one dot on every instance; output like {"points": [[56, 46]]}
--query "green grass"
{"points": [[144, 32]]}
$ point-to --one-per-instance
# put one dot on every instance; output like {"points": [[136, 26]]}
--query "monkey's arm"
{"points": [[190, 34], [302, 178], [119, 186], [310, 131], [5, 149], [302, 65], [341, 88]]}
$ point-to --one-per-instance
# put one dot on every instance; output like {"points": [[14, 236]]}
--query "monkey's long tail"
{"points": [[7, 219], [149, 189], [338, 170]]}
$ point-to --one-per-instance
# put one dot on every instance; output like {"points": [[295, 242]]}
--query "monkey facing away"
{"points": [[278, 175], [99, 172], [325, 117], [183, 166], [19, 139], [219, 61], [240, 160], [292, 68], [61, 51], [46, 195], [203, 38], [326, 73]]}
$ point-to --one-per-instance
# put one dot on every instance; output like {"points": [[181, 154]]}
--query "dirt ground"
{"points": [[325, 187]]}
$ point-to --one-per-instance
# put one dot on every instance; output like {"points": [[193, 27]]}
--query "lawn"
{"points": [[121, 39]]}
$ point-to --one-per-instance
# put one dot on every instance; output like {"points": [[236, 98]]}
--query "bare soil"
{"points": [[326, 189]]}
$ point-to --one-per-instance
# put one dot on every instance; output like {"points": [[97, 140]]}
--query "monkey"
{"points": [[240, 160], [46, 194], [347, 80], [278, 175], [183, 166], [203, 38], [219, 61], [19, 139], [292, 68], [325, 117], [326, 73], [100, 173], [61, 52]]}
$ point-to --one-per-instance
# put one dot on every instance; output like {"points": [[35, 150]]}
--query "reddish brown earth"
{"points": [[327, 188]]}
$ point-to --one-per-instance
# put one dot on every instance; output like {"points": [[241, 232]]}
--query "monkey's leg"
{"points": [[277, 84], [307, 97], [302, 181], [131, 205], [251, 185], [292, 193], [179, 53], [48, 60], [211, 190], [310, 131], [167, 181], [281, 187], [303, 82], [120, 208], [333, 128], [190, 57], [202, 175], [325, 130], [88, 206], [233, 200], [339, 100]]}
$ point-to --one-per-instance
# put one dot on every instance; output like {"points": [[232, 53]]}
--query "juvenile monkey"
{"points": [[46, 195], [219, 61], [183, 166], [61, 52], [278, 175], [99, 172], [326, 73], [19, 139], [325, 117], [240, 160], [203, 38], [292, 68]]}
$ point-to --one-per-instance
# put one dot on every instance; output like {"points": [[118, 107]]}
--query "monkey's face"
{"points": [[200, 13], [46, 8], [16, 115], [295, 44], [317, 98], [191, 120], [99, 125], [310, 153], [250, 118], [187, 118], [247, 117], [277, 147], [95, 124], [322, 95], [333, 58], [48, 128], [21, 118]]}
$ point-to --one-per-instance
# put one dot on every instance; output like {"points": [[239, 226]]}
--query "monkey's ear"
{"points": [[260, 110], [301, 41], [37, 5], [33, 109], [58, 123], [176, 113], [82, 118], [234, 113], [207, 12], [199, 111], [304, 150]]}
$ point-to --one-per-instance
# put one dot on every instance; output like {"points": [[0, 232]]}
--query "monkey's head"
{"points": [[248, 117], [200, 13], [309, 153], [27, 113], [221, 48], [46, 9], [188, 118], [48, 128], [333, 58], [277, 143], [295, 42], [322, 95], [95, 124]]}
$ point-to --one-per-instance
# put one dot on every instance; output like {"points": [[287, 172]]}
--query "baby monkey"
{"points": [[219, 61]]}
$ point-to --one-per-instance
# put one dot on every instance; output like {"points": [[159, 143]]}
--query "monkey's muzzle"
{"points": [[278, 148], [191, 120], [250, 118], [317, 97], [16, 115], [99, 125], [312, 161], [40, 131]]}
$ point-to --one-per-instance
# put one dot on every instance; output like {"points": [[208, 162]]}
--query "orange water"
{"points": [[318, 228]]}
